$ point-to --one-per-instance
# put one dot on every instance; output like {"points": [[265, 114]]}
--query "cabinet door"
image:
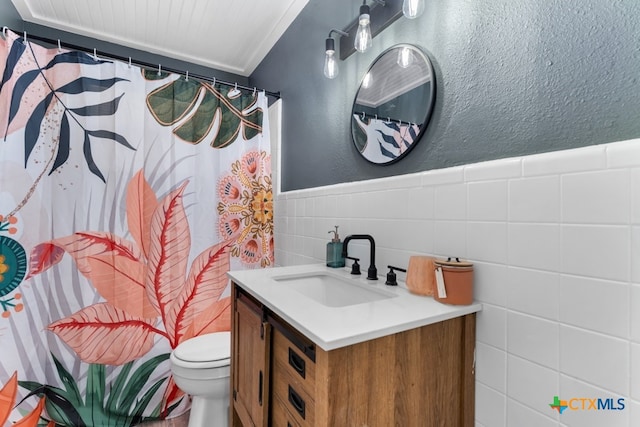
{"points": [[250, 362]]}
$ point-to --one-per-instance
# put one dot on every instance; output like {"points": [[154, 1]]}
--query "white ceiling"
{"points": [[228, 35]]}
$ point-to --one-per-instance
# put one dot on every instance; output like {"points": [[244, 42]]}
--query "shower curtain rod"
{"points": [[141, 63]]}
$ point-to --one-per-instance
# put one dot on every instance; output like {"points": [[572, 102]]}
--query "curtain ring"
{"points": [[25, 38], [59, 46], [363, 115], [376, 117], [213, 85], [159, 69], [236, 86], [5, 32], [129, 62], [254, 91], [186, 76]]}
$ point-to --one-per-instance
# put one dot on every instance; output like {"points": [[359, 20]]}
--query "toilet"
{"points": [[200, 368]]}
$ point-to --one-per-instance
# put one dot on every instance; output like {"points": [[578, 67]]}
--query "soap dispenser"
{"points": [[334, 251]]}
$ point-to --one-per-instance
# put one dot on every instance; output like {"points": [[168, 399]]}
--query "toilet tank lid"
{"points": [[205, 348]]}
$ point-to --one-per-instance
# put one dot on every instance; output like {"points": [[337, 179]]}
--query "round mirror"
{"points": [[393, 104]]}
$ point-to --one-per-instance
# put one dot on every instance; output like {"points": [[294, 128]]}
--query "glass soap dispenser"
{"points": [[334, 251]]}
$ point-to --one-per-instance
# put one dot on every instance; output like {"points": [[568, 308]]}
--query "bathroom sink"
{"points": [[332, 290]]}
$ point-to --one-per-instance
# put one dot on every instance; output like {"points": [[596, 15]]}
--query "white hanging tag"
{"points": [[442, 292]]}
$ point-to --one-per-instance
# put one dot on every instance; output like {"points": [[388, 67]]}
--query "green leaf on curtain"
{"points": [[17, 48], [118, 385], [95, 393], [193, 108], [153, 74], [58, 406], [123, 407], [200, 121], [169, 103], [254, 125], [73, 394], [138, 379], [144, 401]]}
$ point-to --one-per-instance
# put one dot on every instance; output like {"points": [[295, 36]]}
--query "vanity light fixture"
{"points": [[412, 8], [370, 21], [363, 36], [330, 61]]}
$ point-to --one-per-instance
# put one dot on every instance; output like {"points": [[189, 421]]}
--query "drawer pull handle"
{"points": [[296, 401], [297, 362]]}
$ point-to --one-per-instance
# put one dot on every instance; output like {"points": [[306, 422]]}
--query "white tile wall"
{"points": [[535, 199], [533, 292], [583, 300], [533, 339], [531, 384], [555, 239], [491, 367], [595, 358], [523, 416]]}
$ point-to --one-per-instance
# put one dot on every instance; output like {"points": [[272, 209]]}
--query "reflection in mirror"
{"points": [[393, 104]]}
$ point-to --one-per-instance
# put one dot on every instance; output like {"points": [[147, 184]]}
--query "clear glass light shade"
{"points": [[363, 35], [330, 64], [405, 57], [412, 8]]}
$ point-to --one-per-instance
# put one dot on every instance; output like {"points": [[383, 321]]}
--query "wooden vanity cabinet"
{"points": [[250, 362], [421, 377]]}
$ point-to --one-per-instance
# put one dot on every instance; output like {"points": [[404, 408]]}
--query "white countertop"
{"points": [[335, 327]]}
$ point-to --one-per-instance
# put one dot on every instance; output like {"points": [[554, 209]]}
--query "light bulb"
{"points": [[412, 8], [363, 35], [405, 57], [330, 65]]}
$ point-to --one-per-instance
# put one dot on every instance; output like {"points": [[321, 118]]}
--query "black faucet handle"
{"points": [[391, 275], [355, 267]]}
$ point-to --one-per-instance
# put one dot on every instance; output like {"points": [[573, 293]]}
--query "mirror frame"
{"points": [[429, 103]]}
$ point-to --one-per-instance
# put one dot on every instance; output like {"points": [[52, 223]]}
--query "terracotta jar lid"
{"points": [[454, 262]]}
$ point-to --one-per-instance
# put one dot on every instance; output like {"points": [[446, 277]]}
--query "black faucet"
{"points": [[372, 272]]}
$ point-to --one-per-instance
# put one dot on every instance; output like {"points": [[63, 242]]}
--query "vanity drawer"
{"points": [[290, 362], [298, 404], [280, 416]]}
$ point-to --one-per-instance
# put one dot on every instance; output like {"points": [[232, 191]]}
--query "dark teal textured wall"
{"points": [[514, 77]]}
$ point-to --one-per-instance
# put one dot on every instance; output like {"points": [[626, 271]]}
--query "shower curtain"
{"points": [[125, 196]]}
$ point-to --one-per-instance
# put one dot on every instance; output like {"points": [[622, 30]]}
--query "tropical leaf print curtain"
{"points": [[125, 197]]}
